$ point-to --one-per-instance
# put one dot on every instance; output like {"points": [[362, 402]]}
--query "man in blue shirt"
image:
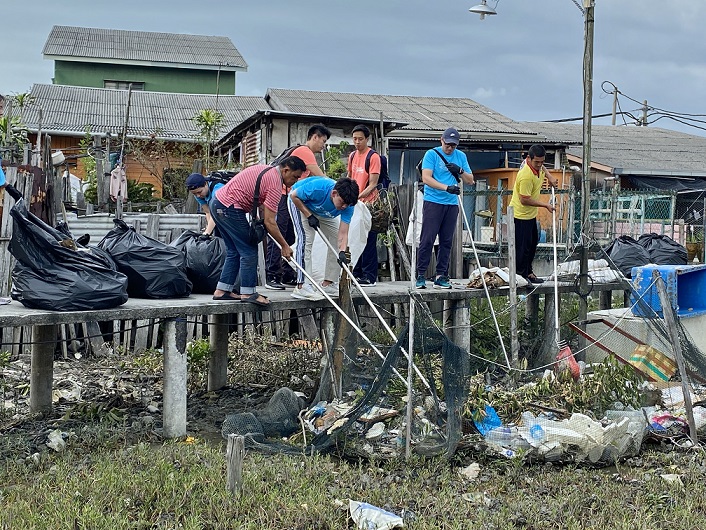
{"points": [[316, 203], [442, 171], [203, 189]]}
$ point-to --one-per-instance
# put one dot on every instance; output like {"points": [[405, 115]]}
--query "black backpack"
{"points": [[219, 177], [284, 154], [384, 178]]}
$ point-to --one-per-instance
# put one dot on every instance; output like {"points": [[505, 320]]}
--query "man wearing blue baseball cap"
{"points": [[202, 190], [442, 170]]}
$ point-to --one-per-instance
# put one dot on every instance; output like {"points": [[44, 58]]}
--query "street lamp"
{"points": [[482, 9]]}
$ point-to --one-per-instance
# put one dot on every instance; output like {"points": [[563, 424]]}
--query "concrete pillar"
{"points": [[174, 406], [42, 368], [462, 324]]}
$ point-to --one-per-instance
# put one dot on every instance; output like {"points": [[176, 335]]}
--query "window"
{"points": [[123, 85]]}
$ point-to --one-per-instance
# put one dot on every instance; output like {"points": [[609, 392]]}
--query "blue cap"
{"points": [[195, 180], [451, 136]]}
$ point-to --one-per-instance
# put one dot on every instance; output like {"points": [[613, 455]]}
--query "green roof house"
{"points": [[150, 61]]}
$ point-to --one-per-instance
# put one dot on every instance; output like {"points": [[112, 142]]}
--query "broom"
{"points": [[565, 361]]}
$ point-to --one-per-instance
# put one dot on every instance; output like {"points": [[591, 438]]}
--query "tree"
{"points": [[209, 123]]}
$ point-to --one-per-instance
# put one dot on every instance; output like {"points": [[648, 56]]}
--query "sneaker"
{"points": [[331, 289], [421, 282], [274, 285], [442, 282], [364, 282], [307, 292]]}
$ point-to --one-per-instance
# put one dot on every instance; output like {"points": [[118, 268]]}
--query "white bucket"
{"points": [[57, 158], [487, 234]]}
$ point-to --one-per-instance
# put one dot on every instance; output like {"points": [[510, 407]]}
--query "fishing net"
{"points": [[370, 417]]}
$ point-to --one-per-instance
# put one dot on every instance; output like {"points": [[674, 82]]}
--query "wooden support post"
{"points": [[42, 368], [308, 323], [174, 406], [235, 454], [671, 322], [218, 361], [605, 299]]}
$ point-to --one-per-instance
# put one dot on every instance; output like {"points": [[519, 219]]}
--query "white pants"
{"points": [[304, 241]]}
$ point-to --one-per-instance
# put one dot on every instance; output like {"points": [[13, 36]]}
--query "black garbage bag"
{"points": [[53, 273], [81, 242], [154, 269], [663, 250], [204, 259], [627, 253]]}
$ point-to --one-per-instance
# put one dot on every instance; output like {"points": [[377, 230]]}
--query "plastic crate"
{"points": [[686, 289]]}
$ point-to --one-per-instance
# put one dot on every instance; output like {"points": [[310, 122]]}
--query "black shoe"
{"points": [[274, 285], [364, 282], [532, 278]]}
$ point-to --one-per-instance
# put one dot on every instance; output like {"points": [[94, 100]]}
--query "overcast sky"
{"points": [[525, 63]]}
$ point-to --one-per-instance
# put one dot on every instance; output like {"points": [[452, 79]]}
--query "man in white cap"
{"points": [[442, 171]]}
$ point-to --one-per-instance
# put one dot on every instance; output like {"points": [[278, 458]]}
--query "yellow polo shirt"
{"points": [[529, 185]]}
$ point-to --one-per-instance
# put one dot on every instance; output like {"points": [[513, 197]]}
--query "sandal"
{"points": [[227, 297], [255, 299]]}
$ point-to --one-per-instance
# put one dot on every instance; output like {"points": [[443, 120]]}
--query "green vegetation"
{"points": [[182, 485], [336, 160]]}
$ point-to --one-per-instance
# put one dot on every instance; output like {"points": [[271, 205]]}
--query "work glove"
{"points": [[313, 221], [455, 170], [342, 258], [13, 192], [454, 190]]}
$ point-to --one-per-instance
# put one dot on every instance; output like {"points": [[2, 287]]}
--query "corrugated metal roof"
{"points": [[168, 115], [143, 47], [632, 150], [420, 113]]}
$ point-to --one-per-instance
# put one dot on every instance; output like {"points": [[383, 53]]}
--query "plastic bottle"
{"points": [[535, 429]]}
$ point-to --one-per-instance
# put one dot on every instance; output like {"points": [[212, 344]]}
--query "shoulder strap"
{"points": [[442, 156], [367, 160], [256, 196]]}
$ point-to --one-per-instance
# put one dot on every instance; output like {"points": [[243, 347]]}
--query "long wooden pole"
{"points": [[671, 322]]}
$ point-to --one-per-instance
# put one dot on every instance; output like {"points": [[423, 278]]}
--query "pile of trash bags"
{"points": [[205, 256], [53, 272], [154, 269], [626, 253]]}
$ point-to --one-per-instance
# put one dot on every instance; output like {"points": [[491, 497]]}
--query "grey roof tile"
{"points": [[71, 109], [143, 46], [632, 149], [420, 113]]}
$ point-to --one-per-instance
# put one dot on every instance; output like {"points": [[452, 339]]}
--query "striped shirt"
{"points": [[239, 192]]}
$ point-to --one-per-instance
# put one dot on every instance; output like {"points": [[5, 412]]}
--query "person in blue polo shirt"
{"points": [[442, 171], [316, 203], [203, 189]]}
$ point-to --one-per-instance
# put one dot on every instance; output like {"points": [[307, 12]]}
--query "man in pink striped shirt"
{"points": [[229, 207]]}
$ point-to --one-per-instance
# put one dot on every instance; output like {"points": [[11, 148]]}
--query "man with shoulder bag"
{"points": [[255, 186]]}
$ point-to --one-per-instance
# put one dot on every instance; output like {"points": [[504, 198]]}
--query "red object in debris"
{"points": [[565, 362]]}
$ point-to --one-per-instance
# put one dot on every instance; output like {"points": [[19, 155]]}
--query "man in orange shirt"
{"points": [[276, 273], [366, 270]]}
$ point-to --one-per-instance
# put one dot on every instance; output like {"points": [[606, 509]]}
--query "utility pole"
{"points": [[586, 166], [615, 106], [644, 114]]}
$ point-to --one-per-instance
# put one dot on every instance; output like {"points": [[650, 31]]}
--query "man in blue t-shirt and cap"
{"points": [[442, 171], [202, 190]]}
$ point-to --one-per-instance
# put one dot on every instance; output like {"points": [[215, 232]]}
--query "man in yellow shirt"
{"points": [[525, 202]]}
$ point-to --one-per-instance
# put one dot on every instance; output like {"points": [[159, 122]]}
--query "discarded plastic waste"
{"points": [[369, 517]]}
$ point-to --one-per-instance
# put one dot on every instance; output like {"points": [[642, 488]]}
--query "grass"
{"points": [[182, 485]]}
